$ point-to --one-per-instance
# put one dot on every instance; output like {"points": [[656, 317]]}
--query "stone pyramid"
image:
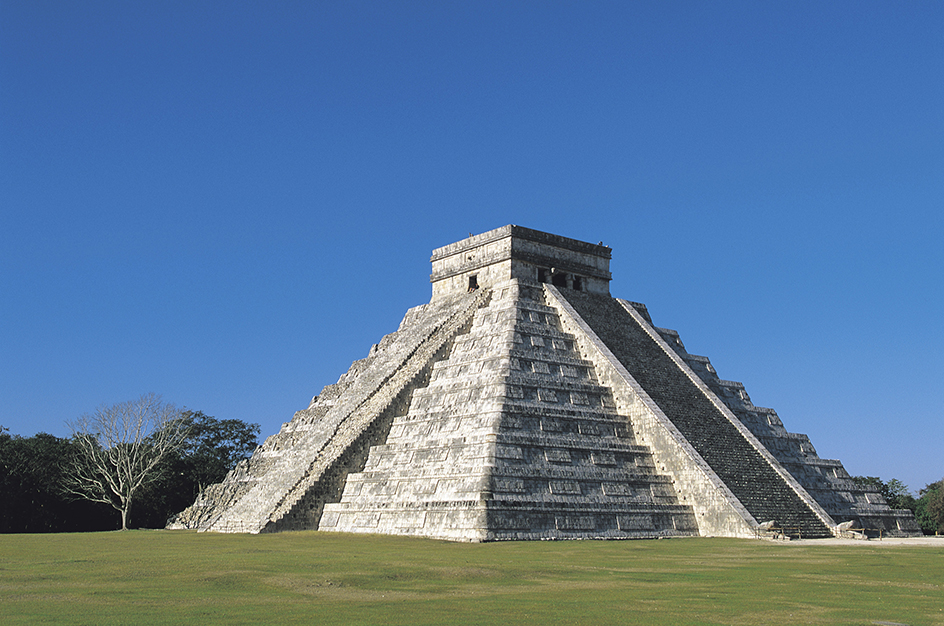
{"points": [[524, 402]]}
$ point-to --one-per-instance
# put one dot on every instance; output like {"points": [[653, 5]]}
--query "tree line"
{"points": [[136, 464], [130, 465]]}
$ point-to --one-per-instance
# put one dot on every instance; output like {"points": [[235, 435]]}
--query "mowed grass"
{"points": [[145, 577]]}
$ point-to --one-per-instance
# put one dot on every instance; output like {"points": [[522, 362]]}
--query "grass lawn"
{"points": [[142, 577]]}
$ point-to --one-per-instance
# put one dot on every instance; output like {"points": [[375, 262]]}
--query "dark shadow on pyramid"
{"points": [[524, 402]]}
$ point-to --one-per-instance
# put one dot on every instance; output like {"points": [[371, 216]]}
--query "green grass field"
{"points": [[142, 577]]}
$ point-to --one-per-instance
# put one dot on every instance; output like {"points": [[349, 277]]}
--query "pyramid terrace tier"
{"points": [[493, 520]]}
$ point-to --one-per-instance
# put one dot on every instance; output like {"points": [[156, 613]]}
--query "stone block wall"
{"points": [[518, 253]]}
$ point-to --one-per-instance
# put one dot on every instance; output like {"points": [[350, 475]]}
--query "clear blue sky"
{"points": [[227, 203]]}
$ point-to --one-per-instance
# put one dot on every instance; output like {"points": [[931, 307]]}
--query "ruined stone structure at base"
{"points": [[524, 402]]}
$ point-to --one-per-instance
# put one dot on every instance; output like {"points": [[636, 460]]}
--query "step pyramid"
{"points": [[524, 402]]}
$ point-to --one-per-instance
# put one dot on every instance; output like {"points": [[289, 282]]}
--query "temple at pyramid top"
{"points": [[516, 252], [524, 402]]}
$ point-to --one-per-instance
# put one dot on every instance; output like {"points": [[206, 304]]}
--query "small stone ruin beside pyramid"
{"points": [[524, 402]]}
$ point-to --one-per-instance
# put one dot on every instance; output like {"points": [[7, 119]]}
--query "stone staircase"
{"points": [[749, 476], [366, 425]]}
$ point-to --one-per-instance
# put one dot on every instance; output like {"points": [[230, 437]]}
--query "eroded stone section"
{"points": [[324, 438]]}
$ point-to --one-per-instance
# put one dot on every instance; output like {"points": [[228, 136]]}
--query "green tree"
{"points": [[31, 474], [211, 449], [898, 495], [929, 509], [214, 447]]}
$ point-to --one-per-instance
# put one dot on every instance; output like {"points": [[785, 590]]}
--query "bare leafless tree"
{"points": [[119, 448]]}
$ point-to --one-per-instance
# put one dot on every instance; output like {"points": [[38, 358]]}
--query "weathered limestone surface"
{"points": [[523, 402]]}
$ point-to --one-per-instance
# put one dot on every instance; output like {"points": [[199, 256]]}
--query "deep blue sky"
{"points": [[227, 203]]}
